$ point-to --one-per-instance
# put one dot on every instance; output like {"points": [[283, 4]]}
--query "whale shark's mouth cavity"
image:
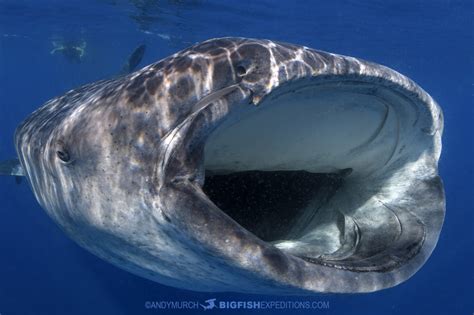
{"points": [[309, 170], [269, 203]]}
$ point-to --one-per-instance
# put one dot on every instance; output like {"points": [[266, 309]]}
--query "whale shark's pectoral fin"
{"points": [[11, 167]]}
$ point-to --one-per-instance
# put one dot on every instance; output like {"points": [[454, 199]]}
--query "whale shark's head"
{"points": [[245, 165], [67, 148]]}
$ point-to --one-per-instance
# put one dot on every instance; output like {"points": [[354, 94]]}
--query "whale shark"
{"points": [[244, 165]]}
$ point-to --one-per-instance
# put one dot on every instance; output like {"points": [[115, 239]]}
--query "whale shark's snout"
{"points": [[245, 165]]}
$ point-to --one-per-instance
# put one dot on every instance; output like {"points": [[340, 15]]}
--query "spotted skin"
{"points": [[130, 191]]}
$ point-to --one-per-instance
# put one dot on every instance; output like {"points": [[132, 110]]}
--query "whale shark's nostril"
{"points": [[242, 67], [241, 71]]}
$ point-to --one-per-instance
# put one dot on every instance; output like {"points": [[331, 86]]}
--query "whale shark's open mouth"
{"points": [[313, 169]]}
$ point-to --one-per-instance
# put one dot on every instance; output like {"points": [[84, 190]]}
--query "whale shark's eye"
{"points": [[63, 155], [62, 152]]}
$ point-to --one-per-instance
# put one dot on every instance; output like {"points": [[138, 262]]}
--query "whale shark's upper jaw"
{"points": [[245, 165]]}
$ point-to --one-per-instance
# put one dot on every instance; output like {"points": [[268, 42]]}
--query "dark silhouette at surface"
{"points": [[134, 59]]}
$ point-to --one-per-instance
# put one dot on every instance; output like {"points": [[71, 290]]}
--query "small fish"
{"points": [[134, 59]]}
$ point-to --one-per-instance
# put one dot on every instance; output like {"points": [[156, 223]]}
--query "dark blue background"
{"points": [[43, 272]]}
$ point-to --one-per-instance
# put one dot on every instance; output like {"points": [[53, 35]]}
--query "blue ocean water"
{"points": [[44, 272]]}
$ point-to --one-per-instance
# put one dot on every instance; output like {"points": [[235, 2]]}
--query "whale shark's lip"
{"points": [[302, 172]]}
